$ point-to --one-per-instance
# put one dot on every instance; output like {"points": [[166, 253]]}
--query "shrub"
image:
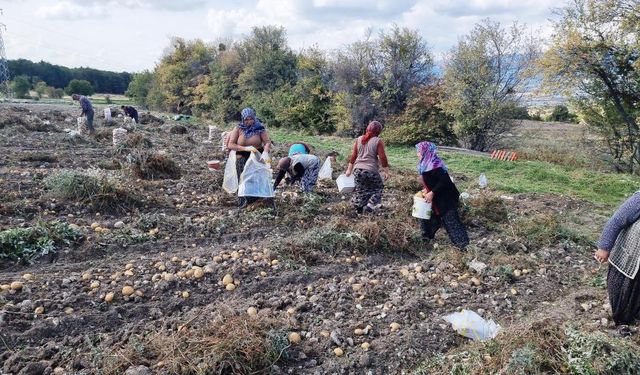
{"points": [[20, 86], [79, 86], [28, 244], [561, 113], [93, 189], [422, 119]]}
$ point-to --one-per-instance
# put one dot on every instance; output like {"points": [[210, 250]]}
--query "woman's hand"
{"points": [[428, 196], [601, 255], [385, 174], [349, 170]]}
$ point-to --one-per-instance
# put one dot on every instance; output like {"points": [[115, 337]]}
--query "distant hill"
{"points": [[59, 76]]}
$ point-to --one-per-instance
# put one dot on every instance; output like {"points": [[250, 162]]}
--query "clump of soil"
{"points": [[149, 119], [154, 166], [178, 129]]}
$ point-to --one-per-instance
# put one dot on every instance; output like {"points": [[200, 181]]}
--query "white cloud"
{"points": [[67, 10], [228, 23]]}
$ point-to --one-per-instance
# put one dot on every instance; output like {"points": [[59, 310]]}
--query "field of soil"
{"points": [[168, 276]]}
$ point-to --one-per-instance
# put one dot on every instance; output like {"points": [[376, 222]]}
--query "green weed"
{"points": [[28, 244]]}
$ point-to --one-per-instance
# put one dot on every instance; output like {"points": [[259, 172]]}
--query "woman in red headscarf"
{"points": [[367, 157]]}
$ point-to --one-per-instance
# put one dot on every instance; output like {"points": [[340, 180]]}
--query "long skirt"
{"points": [[624, 296], [368, 189], [451, 221]]}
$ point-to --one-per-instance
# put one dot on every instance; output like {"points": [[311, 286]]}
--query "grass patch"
{"points": [[545, 230], [543, 347], [512, 177], [93, 189], [127, 236], [28, 244], [229, 344]]}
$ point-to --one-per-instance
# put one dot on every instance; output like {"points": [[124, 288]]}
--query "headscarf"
{"points": [[429, 159], [297, 148], [373, 130], [250, 130]]}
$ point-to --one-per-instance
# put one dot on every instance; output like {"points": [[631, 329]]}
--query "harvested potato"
{"points": [[394, 326], [128, 290], [16, 285], [252, 311], [294, 337], [227, 279], [338, 352], [108, 297], [198, 272], [365, 345], [230, 287], [185, 294], [39, 310]]}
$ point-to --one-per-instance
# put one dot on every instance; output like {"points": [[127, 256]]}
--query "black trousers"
{"points": [[451, 221]]}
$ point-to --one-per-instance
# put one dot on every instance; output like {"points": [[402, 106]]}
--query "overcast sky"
{"points": [[130, 35]]}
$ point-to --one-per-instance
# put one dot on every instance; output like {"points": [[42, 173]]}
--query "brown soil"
{"points": [[324, 299]]}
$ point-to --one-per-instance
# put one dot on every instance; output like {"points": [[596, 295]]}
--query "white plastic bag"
{"points": [[482, 181], [255, 180], [469, 324], [230, 182], [107, 114], [265, 157], [326, 171]]}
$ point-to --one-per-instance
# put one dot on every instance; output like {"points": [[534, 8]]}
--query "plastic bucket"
{"points": [[421, 208], [346, 184], [213, 164]]}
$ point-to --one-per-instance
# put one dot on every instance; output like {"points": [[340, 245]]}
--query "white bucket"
{"points": [[421, 208], [346, 184]]}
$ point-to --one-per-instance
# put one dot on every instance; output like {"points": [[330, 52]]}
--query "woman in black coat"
{"points": [[443, 195]]}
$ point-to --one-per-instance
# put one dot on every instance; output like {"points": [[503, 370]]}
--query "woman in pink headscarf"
{"points": [[367, 157], [443, 195]]}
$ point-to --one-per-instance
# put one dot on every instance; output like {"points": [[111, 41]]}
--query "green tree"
{"points": [[422, 119], [181, 70], [406, 62], [483, 76], [41, 88], [20, 86], [79, 86], [561, 113], [139, 87], [595, 56], [268, 61], [307, 105]]}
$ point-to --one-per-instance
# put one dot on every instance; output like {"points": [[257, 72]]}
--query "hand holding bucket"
{"points": [[421, 208]]}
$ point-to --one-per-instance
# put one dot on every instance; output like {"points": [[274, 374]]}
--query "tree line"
{"points": [[57, 76]]}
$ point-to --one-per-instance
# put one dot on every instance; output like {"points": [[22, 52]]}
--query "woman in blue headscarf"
{"points": [[443, 195], [299, 165], [249, 136]]}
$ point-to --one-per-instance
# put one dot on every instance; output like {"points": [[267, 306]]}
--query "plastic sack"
{"points": [[326, 171], [265, 157], [82, 124], [107, 114], [230, 181], [482, 180], [469, 324], [255, 180]]}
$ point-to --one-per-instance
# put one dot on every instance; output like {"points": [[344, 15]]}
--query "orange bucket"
{"points": [[213, 164]]}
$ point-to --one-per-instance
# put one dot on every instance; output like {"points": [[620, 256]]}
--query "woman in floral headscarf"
{"points": [[249, 136], [368, 153], [443, 195]]}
